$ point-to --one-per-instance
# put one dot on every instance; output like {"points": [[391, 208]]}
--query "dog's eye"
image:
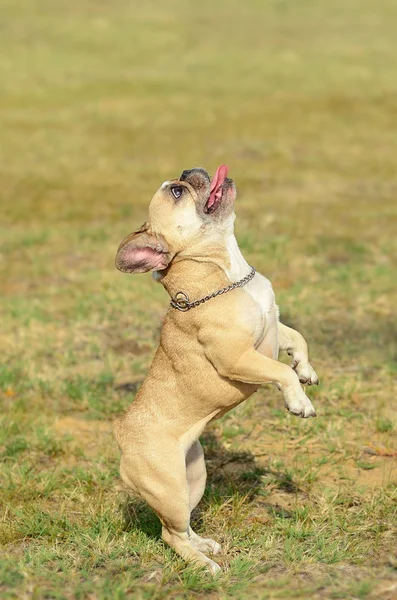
{"points": [[177, 191]]}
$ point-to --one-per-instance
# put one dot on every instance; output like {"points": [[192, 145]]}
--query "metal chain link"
{"points": [[181, 300]]}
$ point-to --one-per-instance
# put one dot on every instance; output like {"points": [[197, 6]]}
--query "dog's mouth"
{"points": [[216, 189], [213, 192]]}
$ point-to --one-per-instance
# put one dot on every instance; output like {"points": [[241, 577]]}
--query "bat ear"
{"points": [[142, 251]]}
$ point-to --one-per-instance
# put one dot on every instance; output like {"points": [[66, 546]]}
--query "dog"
{"points": [[219, 342]]}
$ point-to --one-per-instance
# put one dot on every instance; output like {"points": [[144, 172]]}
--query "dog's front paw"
{"points": [[299, 404], [307, 375]]}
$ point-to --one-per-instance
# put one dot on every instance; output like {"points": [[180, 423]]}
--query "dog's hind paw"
{"points": [[213, 567], [204, 544]]}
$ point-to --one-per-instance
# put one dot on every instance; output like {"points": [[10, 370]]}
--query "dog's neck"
{"points": [[238, 266], [205, 270], [194, 277]]}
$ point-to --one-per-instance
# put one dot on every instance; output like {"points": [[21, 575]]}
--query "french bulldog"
{"points": [[220, 341]]}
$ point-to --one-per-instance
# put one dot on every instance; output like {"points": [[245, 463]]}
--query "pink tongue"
{"points": [[216, 185]]}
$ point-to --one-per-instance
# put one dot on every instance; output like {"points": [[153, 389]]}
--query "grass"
{"points": [[102, 102]]}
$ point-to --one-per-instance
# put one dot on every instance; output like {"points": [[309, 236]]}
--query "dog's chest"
{"points": [[260, 308]]}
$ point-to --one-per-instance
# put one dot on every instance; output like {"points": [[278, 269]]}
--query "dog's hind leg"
{"points": [[163, 484], [197, 476], [295, 345], [196, 473]]}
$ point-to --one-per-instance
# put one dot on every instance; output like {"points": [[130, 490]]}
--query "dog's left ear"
{"points": [[143, 251]]}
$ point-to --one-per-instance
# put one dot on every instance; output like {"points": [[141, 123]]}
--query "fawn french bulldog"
{"points": [[219, 342]]}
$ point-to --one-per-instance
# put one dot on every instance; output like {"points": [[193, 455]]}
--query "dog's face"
{"points": [[190, 212]]}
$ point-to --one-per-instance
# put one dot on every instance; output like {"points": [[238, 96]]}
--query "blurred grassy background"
{"points": [[100, 103]]}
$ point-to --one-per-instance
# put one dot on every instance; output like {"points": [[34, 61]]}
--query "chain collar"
{"points": [[181, 300]]}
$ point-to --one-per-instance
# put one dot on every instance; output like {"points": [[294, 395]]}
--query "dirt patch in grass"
{"points": [[368, 467], [90, 436]]}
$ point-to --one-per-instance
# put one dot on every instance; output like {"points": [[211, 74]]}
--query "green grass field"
{"points": [[100, 103]]}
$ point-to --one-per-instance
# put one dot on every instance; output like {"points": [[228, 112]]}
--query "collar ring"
{"points": [[181, 301]]}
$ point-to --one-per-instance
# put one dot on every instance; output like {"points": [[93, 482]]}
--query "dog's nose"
{"points": [[197, 171], [185, 174]]}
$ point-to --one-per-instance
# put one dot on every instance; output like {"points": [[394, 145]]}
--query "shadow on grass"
{"points": [[229, 473]]}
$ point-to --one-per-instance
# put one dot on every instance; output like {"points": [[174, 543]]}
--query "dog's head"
{"points": [[185, 214]]}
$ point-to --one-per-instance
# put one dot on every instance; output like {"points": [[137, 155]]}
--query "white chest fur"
{"points": [[265, 315]]}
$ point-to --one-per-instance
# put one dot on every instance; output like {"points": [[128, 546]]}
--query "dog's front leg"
{"points": [[295, 345], [253, 367], [237, 361]]}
